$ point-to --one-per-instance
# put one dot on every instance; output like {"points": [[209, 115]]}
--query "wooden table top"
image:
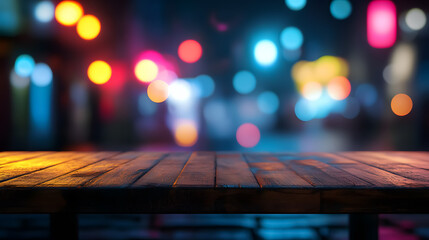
{"points": [[214, 182]]}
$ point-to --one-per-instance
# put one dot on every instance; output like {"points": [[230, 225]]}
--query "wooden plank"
{"points": [[165, 173], [16, 169], [127, 173], [19, 156], [199, 171], [38, 177], [83, 175], [376, 176], [233, 171], [272, 173], [389, 165], [311, 173], [408, 159], [345, 178]]}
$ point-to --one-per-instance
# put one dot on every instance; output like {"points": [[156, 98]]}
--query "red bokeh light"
{"points": [[190, 51]]}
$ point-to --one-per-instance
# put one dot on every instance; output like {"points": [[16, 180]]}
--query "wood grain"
{"points": [[46, 174], [126, 174], [199, 171], [233, 171], [272, 173], [165, 173]]}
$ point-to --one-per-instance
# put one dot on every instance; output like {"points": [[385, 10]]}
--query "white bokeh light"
{"points": [[415, 19], [44, 11]]}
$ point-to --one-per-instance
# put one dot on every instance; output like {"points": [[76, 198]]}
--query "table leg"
{"points": [[64, 226], [363, 226]]}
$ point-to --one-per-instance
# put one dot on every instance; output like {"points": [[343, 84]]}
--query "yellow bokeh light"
{"points": [[339, 88], [68, 12], [157, 91], [321, 70], [186, 134], [99, 72], [312, 90], [326, 68], [88, 27], [146, 70], [401, 104]]}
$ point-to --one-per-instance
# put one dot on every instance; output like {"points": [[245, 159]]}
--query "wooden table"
{"points": [[362, 184]]}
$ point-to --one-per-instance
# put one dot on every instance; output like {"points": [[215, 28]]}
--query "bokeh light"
{"points": [[190, 51], [312, 90], [157, 91], [248, 135], [24, 65], [415, 19], [88, 27], [296, 5], [304, 110], [401, 104], [44, 11], [186, 134], [180, 91], [268, 102], [244, 82], [341, 9], [339, 88], [99, 72], [403, 63], [68, 12], [381, 24], [41, 75], [291, 38], [146, 70], [205, 85], [322, 71], [366, 94], [265, 52]]}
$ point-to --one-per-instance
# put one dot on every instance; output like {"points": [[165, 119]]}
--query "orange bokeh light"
{"points": [[190, 51], [157, 91], [339, 88], [186, 134], [88, 27], [401, 104], [68, 13]]}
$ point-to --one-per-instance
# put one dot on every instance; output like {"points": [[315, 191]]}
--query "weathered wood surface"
{"points": [[210, 182]]}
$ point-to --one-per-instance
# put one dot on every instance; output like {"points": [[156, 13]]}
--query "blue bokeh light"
{"points": [[42, 75], [341, 9], [205, 85], [244, 82], [44, 11], [291, 38], [268, 102], [366, 94], [265, 52], [24, 65], [305, 110], [296, 5]]}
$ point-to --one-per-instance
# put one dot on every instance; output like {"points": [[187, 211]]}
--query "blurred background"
{"points": [[278, 75]]}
